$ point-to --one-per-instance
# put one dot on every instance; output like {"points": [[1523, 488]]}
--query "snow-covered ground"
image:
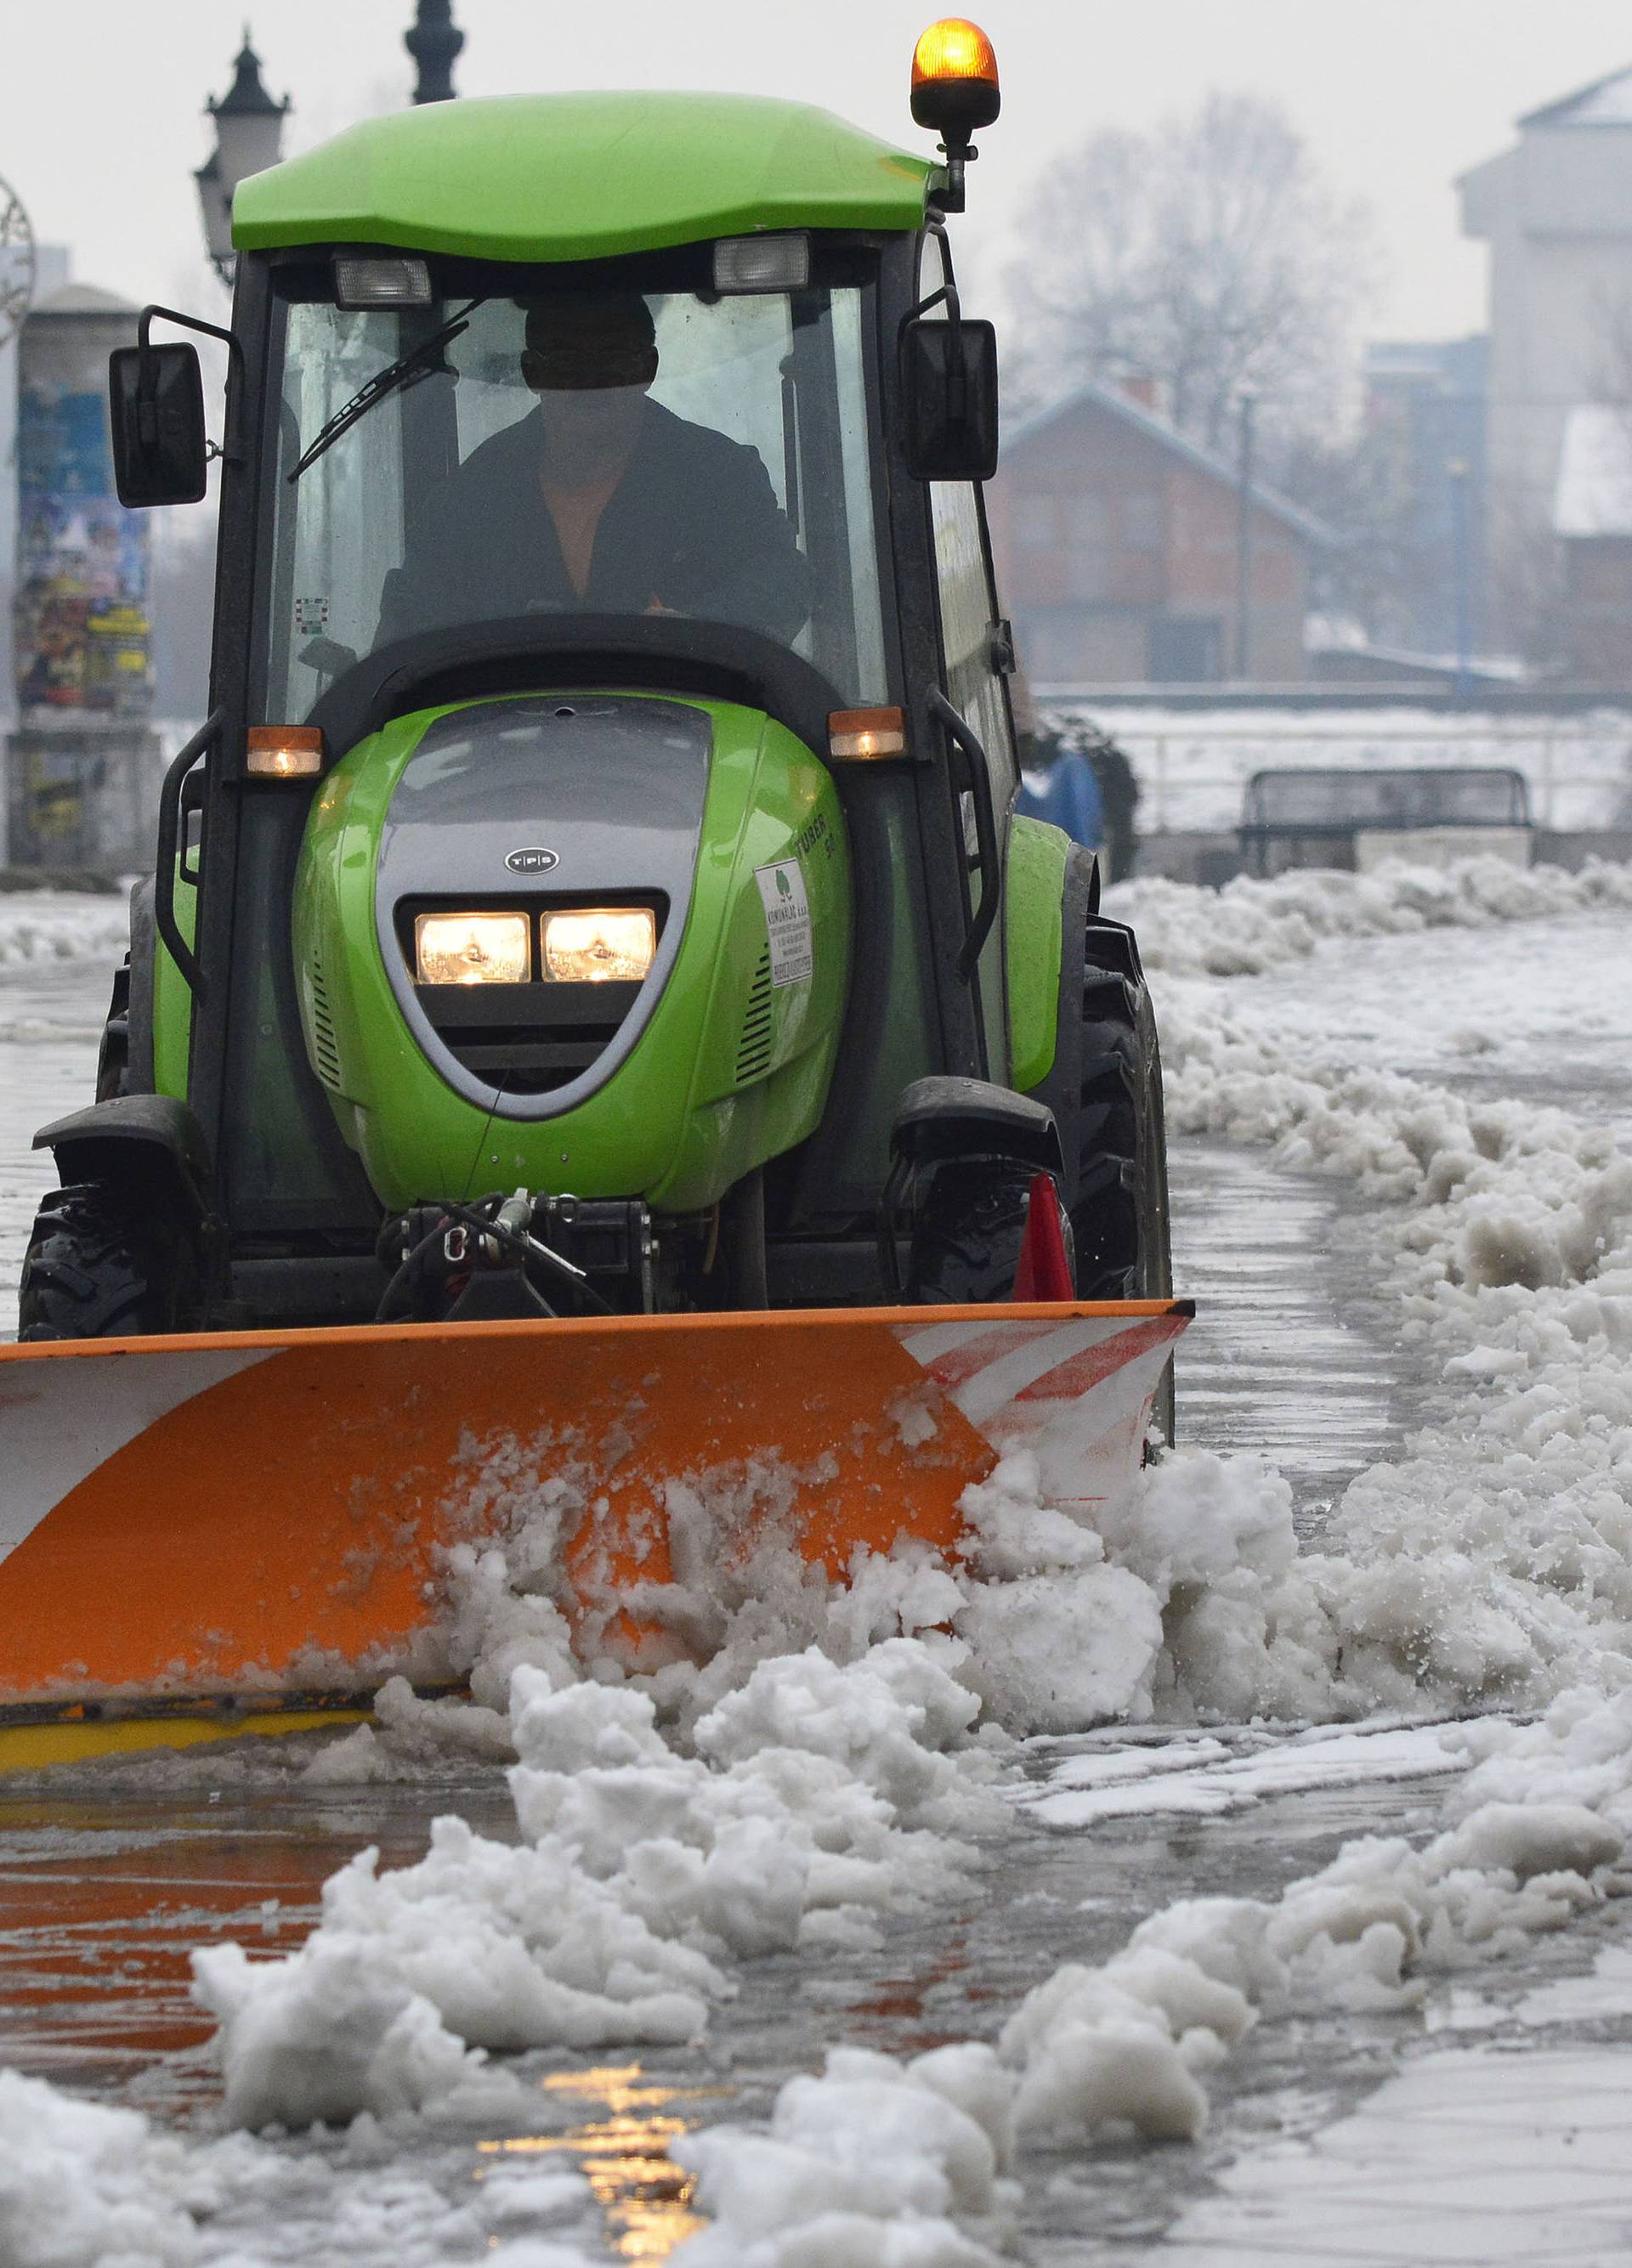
{"points": [[1113, 1769]]}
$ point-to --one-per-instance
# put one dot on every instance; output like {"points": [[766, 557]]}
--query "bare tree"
{"points": [[1208, 254]]}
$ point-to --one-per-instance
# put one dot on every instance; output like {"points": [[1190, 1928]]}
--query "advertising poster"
{"points": [[82, 585]]}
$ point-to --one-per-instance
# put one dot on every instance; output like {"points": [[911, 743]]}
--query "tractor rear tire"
{"points": [[104, 1264]]}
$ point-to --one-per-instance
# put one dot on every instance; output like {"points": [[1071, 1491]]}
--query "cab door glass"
{"points": [[964, 582]]}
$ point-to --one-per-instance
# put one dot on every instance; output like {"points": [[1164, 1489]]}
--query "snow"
{"points": [[799, 1816], [83, 2185], [43, 926], [874, 2162], [1250, 927]]}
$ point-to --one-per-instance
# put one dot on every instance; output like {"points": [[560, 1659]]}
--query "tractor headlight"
{"points": [[599, 943], [473, 948]]}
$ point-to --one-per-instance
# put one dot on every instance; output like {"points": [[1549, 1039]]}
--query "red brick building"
{"points": [[1117, 540]]}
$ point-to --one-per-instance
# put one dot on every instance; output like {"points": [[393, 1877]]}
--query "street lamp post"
{"points": [[1243, 541], [249, 133], [434, 43], [1456, 474]]}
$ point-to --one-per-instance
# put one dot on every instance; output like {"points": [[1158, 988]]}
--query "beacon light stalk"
{"points": [[473, 948], [283, 752]]}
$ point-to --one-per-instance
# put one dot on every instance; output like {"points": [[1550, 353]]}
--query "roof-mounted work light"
{"points": [[361, 284], [762, 263], [955, 93]]}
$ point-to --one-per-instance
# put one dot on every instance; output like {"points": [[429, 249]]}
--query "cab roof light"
{"points": [[864, 735], [954, 92], [954, 54], [762, 263], [285, 752], [361, 284]]}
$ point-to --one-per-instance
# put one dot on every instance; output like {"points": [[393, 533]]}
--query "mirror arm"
{"points": [[146, 410]]}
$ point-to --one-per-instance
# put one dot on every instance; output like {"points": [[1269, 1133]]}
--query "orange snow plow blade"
{"points": [[249, 1531]]}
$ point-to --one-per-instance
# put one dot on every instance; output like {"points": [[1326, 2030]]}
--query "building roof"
{"points": [[1093, 394], [1606, 102], [581, 177], [82, 299], [1594, 496]]}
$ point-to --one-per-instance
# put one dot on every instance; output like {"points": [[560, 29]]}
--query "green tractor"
{"points": [[595, 890]]}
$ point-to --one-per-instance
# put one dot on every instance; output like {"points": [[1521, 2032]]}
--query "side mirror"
{"points": [[156, 396], [948, 382]]}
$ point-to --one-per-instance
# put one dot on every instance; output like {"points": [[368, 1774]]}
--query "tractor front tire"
{"points": [[969, 1230], [1105, 1091], [102, 1264], [1107, 1085]]}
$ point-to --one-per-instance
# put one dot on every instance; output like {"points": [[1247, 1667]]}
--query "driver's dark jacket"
{"points": [[693, 523]]}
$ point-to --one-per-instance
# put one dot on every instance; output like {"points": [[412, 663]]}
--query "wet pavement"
{"points": [[1293, 1356]]}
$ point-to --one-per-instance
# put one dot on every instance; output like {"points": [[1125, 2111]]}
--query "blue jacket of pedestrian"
{"points": [[1066, 795]]}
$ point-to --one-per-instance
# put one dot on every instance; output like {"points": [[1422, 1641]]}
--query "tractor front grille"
{"points": [[527, 1039]]}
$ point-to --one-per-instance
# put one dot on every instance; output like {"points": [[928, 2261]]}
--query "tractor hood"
{"points": [[465, 1042], [582, 800]]}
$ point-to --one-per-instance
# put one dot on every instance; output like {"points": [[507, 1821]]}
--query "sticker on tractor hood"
{"points": [[532, 862], [787, 921]]}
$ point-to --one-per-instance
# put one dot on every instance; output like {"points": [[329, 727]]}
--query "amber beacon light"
{"points": [[955, 87]]}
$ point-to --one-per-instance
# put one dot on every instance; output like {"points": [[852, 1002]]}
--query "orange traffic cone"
{"points": [[1044, 1272]]}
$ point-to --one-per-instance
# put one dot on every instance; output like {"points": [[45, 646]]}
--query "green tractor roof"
{"points": [[581, 177]]}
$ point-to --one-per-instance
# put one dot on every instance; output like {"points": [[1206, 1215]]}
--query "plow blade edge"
{"points": [[264, 1519]]}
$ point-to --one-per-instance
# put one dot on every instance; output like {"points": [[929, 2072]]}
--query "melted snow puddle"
{"points": [[1468, 2157]]}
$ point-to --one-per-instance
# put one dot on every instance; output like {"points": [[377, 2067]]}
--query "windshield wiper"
{"points": [[419, 362]]}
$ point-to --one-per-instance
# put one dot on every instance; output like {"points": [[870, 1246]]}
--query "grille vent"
{"points": [[528, 1039], [323, 1045], [754, 1053]]}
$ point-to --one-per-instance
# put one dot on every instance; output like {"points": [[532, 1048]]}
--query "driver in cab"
{"points": [[600, 500]]}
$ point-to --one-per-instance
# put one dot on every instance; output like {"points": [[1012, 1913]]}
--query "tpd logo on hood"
{"points": [[532, 862]]}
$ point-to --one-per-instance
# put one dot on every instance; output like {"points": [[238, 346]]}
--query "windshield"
{"points": [[595, 449]]}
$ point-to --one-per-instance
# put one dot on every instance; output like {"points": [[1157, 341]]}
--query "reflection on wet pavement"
{"points": [[622, 2149]]}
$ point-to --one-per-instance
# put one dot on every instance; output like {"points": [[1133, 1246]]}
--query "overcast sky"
{"points": [[101, 99]]}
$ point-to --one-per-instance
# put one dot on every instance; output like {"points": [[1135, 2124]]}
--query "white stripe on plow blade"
{"points": [[60, 1420], [1076, 1395]]}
